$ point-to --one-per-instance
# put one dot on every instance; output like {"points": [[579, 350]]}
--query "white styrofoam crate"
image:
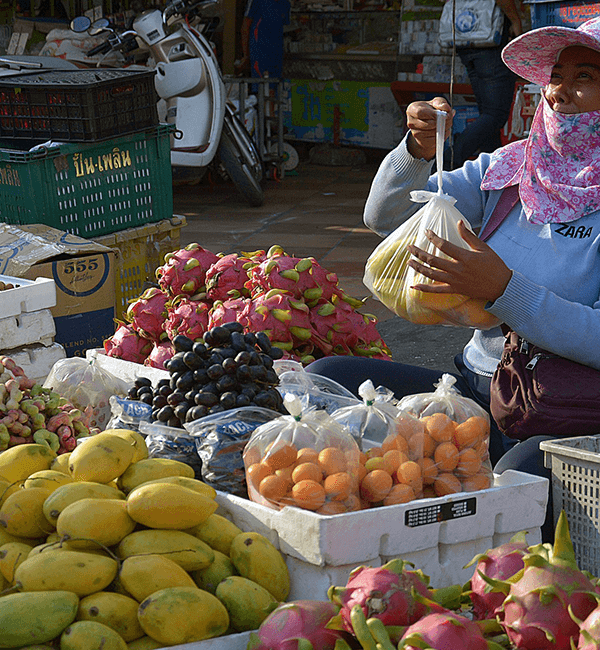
{"points": [[230, 642], [28, 295], [37, 360], [322, 550], [125, 370], [26, 328]]}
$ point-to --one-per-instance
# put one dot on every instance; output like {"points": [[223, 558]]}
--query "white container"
{"points": [[37, 360], [28, 295], [438, 535], [26, 328], [230, 642], [125, 370]]}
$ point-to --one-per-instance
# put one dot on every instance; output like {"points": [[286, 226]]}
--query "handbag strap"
{"points": [[507, 201]]}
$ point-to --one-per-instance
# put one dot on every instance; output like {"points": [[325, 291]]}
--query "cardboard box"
{"points": [[83, 273]]}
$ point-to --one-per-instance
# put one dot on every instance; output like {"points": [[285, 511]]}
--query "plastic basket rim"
{"points": [[12, 81], [561, 447]]}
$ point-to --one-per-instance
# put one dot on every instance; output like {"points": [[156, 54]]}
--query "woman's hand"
{"points": [[421, 119], [477, 272]]}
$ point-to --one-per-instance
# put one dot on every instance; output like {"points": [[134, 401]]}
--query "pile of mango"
{"points": [[105, 548]]}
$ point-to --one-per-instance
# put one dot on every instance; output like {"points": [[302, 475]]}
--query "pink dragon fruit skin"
{"points": [[225, 278], [147, 314], [297, 624], [444, 631], [500, 563], [127, 344], [227, 311], [187, 317], [384, 592], [589, 631], [161, 352], [184, 271]]}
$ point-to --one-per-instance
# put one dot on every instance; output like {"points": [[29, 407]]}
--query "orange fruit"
{"points": [[256, 472], [332, 508], [280, 456], [352, 503], [409, 473], [307, 455], [429, 492], [376, 485], [438, 302], [332, 460], [407, 426], [477, 482], [338, 486], [469, 463], [471, 432], [393, 459], [400, 493], [421, 444], [374, 452], [273, 487], [361, 472], [362, 457], [439, 426], [446, 484], [309, 494], [378, 462], [309, 471], [446, 456], [428, 470], [394, 442]]}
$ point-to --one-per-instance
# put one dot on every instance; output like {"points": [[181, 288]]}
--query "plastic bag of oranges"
{"points": [[305, 459], [388, 276], [448, 438]]}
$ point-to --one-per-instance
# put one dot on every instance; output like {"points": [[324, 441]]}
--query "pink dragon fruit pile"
{"points": [[295, 301]]}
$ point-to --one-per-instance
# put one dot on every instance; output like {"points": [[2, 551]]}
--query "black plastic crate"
{"points": [[76, 105]]}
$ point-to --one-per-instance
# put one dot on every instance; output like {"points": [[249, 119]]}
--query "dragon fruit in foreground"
{"points": [[386, 593], [147, 314], [297, 624], [225, 278], [161, 352], [589, 631], [187, 317], [184, 271], [227, 311], [127, 344]]}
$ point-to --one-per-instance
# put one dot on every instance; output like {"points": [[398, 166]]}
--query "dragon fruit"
{"points": [[184, 271], [445, 631], [227, 311], [187, 317], [500, 563], [127, 344], [386, 593], [297, 624], [540, 598], [225, 279], [147, 314], [161, 352], [589, 631]]}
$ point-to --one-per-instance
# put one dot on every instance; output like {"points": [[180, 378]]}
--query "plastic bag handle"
{"points": [[439, 146]]}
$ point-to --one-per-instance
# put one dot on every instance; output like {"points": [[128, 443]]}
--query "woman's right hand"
{"points": [[421, 119]]}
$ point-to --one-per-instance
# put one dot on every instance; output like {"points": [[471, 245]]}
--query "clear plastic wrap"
{"points": [[374, 418], [390, 278], [172, 443], [84, 383], [220, 440], [128, 413], [316, 391], [305, 459]]}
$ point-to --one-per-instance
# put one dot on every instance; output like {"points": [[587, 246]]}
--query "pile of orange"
{"points": [[323, 481]]}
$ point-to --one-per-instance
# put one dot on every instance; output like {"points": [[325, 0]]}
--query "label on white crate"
{"points": [[437, 513]]}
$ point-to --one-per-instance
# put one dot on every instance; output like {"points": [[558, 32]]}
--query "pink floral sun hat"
{"points": [[533, 54]]}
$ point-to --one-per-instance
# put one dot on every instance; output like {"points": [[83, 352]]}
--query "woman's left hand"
{"points": [[476, 272]]}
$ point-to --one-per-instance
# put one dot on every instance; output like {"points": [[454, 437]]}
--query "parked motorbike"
{"points": [[191, 90]]}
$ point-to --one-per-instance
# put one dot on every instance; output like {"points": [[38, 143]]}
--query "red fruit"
{"points": [[443, 631], [127, 344], [225, 278], [184, 271], [147, 314], [187, 317], [161, 352]]}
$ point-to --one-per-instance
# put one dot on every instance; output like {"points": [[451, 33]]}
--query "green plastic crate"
{"points": [[90, 189]]}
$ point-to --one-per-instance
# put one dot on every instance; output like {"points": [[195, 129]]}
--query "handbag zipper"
{"points": [[533, 362]]}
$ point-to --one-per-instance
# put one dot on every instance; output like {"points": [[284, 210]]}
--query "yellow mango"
{"points": [[217, 531], [22, 513], [144, 643], [221, 568], [150, 469], [88, 523], [165, 505], [257, 559], [114, 610], [7, 537], [47, 479], [183, 615], [136, 439], [142, 575], [247, 603], [186, 550], [11, 555], [17, 463], [6, 489], [190, 483], [76, 571], [61, 463], [35, 617], [100, 458], [72, 492], [90, 635]]}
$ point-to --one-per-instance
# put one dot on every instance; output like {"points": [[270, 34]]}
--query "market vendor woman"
{"points": [[540, 270]]}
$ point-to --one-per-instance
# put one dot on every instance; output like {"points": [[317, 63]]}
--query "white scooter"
{"points": [[191, 91]]}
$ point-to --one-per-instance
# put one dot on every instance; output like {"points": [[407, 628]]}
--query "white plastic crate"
{"points": [[125, 370], [438, 535], [230, 642], [575, 464], [27, 328], [28, 295]]}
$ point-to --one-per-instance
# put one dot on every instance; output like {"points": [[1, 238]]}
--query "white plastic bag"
{"points": [[315, 391], [390, 279]]}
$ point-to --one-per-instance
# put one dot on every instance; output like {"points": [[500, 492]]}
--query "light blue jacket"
{"points": [[553, 297]]}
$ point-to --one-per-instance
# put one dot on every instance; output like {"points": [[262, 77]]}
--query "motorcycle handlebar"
{"points": [[103, 48]]}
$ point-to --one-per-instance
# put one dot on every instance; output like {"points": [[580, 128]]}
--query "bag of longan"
{"points": [[304, 459], [452, 447]]}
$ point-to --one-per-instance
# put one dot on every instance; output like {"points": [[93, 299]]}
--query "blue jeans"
{"points": [[493, 86]]}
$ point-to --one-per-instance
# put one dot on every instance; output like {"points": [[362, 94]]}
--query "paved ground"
{"points": [[315, 210]]}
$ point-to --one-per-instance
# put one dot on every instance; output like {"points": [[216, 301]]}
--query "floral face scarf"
{"points": [[557, 166]]}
